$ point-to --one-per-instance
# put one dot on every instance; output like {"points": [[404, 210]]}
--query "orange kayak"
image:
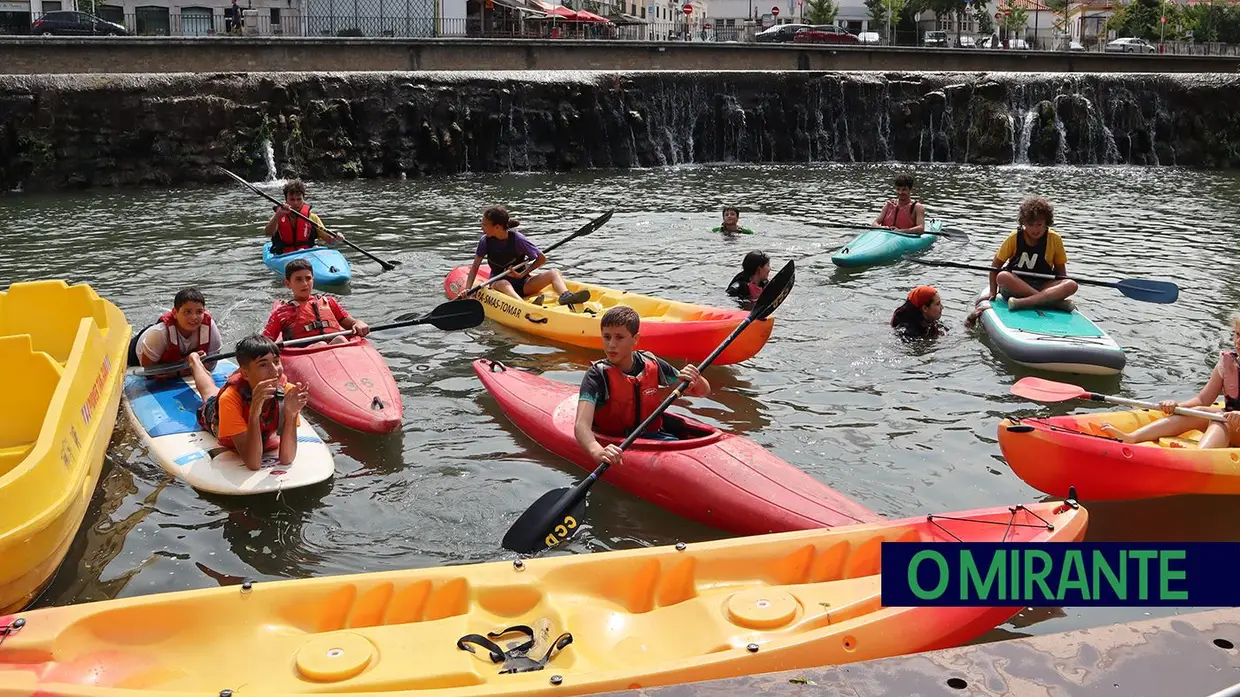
{"points": [[599, 622], [1055, 453], [670, 329]]}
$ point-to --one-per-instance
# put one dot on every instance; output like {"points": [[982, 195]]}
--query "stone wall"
{"points": [[34, 55], [119, 130]]}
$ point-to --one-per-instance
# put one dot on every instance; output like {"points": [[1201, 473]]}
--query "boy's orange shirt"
{"points": [[234, 415]]}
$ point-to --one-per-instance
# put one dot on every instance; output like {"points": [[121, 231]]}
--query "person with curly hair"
{"points": [[1033, 247]]}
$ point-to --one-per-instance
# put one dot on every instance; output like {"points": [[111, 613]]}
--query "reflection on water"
{"points": [[906, 429]]}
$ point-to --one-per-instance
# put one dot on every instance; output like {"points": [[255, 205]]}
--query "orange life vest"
{"points": [[629, 400], [314, 317], [901, 218], [270, 423]]}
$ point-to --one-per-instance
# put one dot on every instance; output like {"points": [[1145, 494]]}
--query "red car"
{"points": [[825, 34]]}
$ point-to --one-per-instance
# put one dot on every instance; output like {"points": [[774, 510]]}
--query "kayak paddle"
{"points": [[581, 232], [557, 514], [1142, 289], [449, 316], [945, 231], [1040, 390], [387, 265]]}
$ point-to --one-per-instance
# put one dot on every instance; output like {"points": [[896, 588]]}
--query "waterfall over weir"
{"points": [[90, 130]]}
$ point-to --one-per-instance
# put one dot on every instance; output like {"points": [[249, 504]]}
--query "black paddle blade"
{"points": [[553, 519], [775, 291], [595, 224], [457, 314]]}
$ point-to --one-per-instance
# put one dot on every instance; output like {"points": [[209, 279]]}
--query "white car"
{"points": [[869, 37], [1130, 45]]}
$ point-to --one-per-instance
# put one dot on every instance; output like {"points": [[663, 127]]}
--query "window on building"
{"points": [[197, 21], [153, 21]]}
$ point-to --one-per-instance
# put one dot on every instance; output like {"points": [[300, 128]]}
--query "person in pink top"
{"points": [[902, 214]]}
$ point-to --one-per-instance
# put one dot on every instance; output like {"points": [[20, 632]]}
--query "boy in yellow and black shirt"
{"points": [[1033, 247]]}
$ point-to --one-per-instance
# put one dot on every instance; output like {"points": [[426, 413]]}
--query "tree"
{"points": [[1059, 8], [821, 11], [1014, 18], [882, 11], [985, 23], [1138, 18]]}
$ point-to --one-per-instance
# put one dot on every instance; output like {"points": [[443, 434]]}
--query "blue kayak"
{"points": [[879, 246], [330, 266]]}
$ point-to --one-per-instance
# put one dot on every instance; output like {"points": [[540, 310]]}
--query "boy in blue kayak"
{"points": [[618, 393], [256, 409], [1033, 247], [902, 214], [290, 233], [308, 314], [504, 248], [732, 222]]}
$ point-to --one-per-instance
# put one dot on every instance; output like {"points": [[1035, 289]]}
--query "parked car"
{"points": [[869, 37], [965, 41], [1130, 45], [934, 38], [1013, 44], [70, 23], [780, 33], [825, 34]]}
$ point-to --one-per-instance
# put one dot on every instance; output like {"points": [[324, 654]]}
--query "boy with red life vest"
{"points": [[1033, 247], [903, 214], [618, 393], [255, 410], [308, 314], [186, 329], [503, 248], [1224, 380], [290, 233]]}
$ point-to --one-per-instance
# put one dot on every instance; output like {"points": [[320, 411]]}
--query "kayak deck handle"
{"points": [[541, 320]]}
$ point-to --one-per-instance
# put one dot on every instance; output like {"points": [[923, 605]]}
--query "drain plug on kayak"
{"points": [[377, 404]]}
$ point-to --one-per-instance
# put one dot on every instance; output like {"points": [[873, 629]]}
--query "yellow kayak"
{"points": [[597, 622], [670, 329], [62, 358]]}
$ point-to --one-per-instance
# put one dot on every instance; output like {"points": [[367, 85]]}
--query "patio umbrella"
{"points": [[588, 16]]}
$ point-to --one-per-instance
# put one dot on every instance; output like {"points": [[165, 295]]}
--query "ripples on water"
{"points": [[905, 430]]}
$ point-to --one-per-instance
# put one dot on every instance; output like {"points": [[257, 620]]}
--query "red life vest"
{"points": [[629, 400], [295, 233], [313, 317], [901, 218], [271, 422], [172, 351]]}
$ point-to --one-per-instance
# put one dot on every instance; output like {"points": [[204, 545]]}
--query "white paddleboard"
{"points": [[165, 414]]}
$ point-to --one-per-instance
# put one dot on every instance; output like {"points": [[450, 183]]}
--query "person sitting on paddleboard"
{"points": [[503, 248], [918, 316], [308, 314], [256, 409], [618, 393], [731, 222], [1224, 379], [290, 233], [1034, 247], [186, 328], [755, 270], [902, 214]]}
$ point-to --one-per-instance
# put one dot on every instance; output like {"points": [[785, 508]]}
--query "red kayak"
{"points": [[349, 383], [716, 478]]}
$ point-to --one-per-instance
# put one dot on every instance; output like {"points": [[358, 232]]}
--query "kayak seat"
{"points": [[31, 381]]}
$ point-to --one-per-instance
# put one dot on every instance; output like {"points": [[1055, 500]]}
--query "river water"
{"points": [[905, 430]]}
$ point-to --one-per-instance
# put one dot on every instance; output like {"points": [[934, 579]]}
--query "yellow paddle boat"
{"points": [[62, 358]]}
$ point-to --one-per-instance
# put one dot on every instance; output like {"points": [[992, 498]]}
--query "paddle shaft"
{"points": [[267, 196], [1030, 274], [176, 367], [1183, 411], [942, 232]]}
